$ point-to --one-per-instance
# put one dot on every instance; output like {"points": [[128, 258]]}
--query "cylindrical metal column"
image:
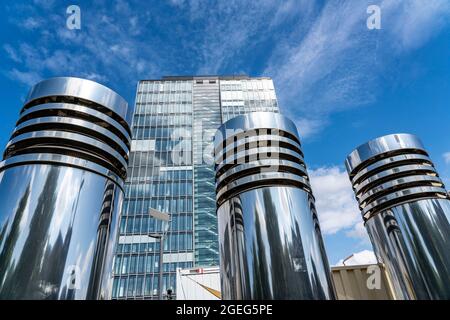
{"points": [[61, 191], [271, 246], [406, 210]]}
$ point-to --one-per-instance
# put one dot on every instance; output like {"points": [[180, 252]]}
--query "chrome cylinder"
{"points": [[271, 245], [406, 211], [61, 191]]}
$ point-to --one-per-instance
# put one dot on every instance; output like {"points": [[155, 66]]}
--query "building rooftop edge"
{"points": [[191, 77]]}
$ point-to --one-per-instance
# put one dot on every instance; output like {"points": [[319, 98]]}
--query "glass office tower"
{"points": [[171, 169]]}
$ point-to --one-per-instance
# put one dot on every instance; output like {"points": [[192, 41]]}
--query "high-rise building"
{"points": [[171, 169]]}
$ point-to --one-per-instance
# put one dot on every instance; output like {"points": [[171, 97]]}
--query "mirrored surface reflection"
{"points": [[412, 240], [57, 228], [271, 246]]}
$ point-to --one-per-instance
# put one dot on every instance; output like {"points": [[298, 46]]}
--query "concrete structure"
{"points": [[406, 211], [355, 282], [172, 170], [271, 246], [61, 193], [361, 282], [198, 284]]}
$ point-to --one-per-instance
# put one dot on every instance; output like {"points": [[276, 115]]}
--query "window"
{"points": [[148, 286], [122, 287], [139, 283], [131, 284], [117, 261], [125, 264], [141, 264]]}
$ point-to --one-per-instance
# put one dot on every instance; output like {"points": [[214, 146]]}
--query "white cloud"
{"points": [[414, 22], [359, 258], [317, 71], [177, 3], [27, 78], [335, 62], [359, 232], [31, 23], [308, 127], [446, 157], [106, 49], [335, 202], [322, 57], [47, 4], [11, 52]]}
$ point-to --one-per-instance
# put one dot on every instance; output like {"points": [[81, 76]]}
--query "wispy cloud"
{"points": [[446, 156], [321, 55], [309, 127], [11, 52], [337, 63], [106, 49], [28, 78], [32, 23], [336, 205], [359, 258], [412, 23]]}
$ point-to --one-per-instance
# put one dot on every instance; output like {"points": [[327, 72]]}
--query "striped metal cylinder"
{"points": [[75, 122], [261, 149], [270, 241], [406, 210], [61, 191]]}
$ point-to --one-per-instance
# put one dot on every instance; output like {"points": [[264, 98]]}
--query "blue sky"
{"points": [[342, 83]]}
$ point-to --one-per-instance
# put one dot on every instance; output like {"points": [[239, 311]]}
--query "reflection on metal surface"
{"points": [[406, 210], [270, 241], [61, 192]]}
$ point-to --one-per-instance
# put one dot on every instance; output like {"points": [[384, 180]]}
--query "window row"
{"points": [[175, 175], [145, 224], [173, 133], [233, 112], [250, 95], [174, 242], [162, 120], [125, 264], [164, 97], [169, 148], [135, 286], [148, 247], [165, 86], [132, 264], [254, 84], [168, 189], [172, 205], [179, 155], [163, 108]]}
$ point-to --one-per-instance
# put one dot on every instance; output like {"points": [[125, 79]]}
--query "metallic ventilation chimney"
{"points": [[406, 211], [61, 183], [270, 241]]}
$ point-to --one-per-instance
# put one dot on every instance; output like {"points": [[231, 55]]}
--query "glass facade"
{"points": [[171, 169]]}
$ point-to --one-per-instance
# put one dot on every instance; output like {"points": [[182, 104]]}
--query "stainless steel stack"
{"points": [[406, 211], [270, 241], [61, 190]]}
